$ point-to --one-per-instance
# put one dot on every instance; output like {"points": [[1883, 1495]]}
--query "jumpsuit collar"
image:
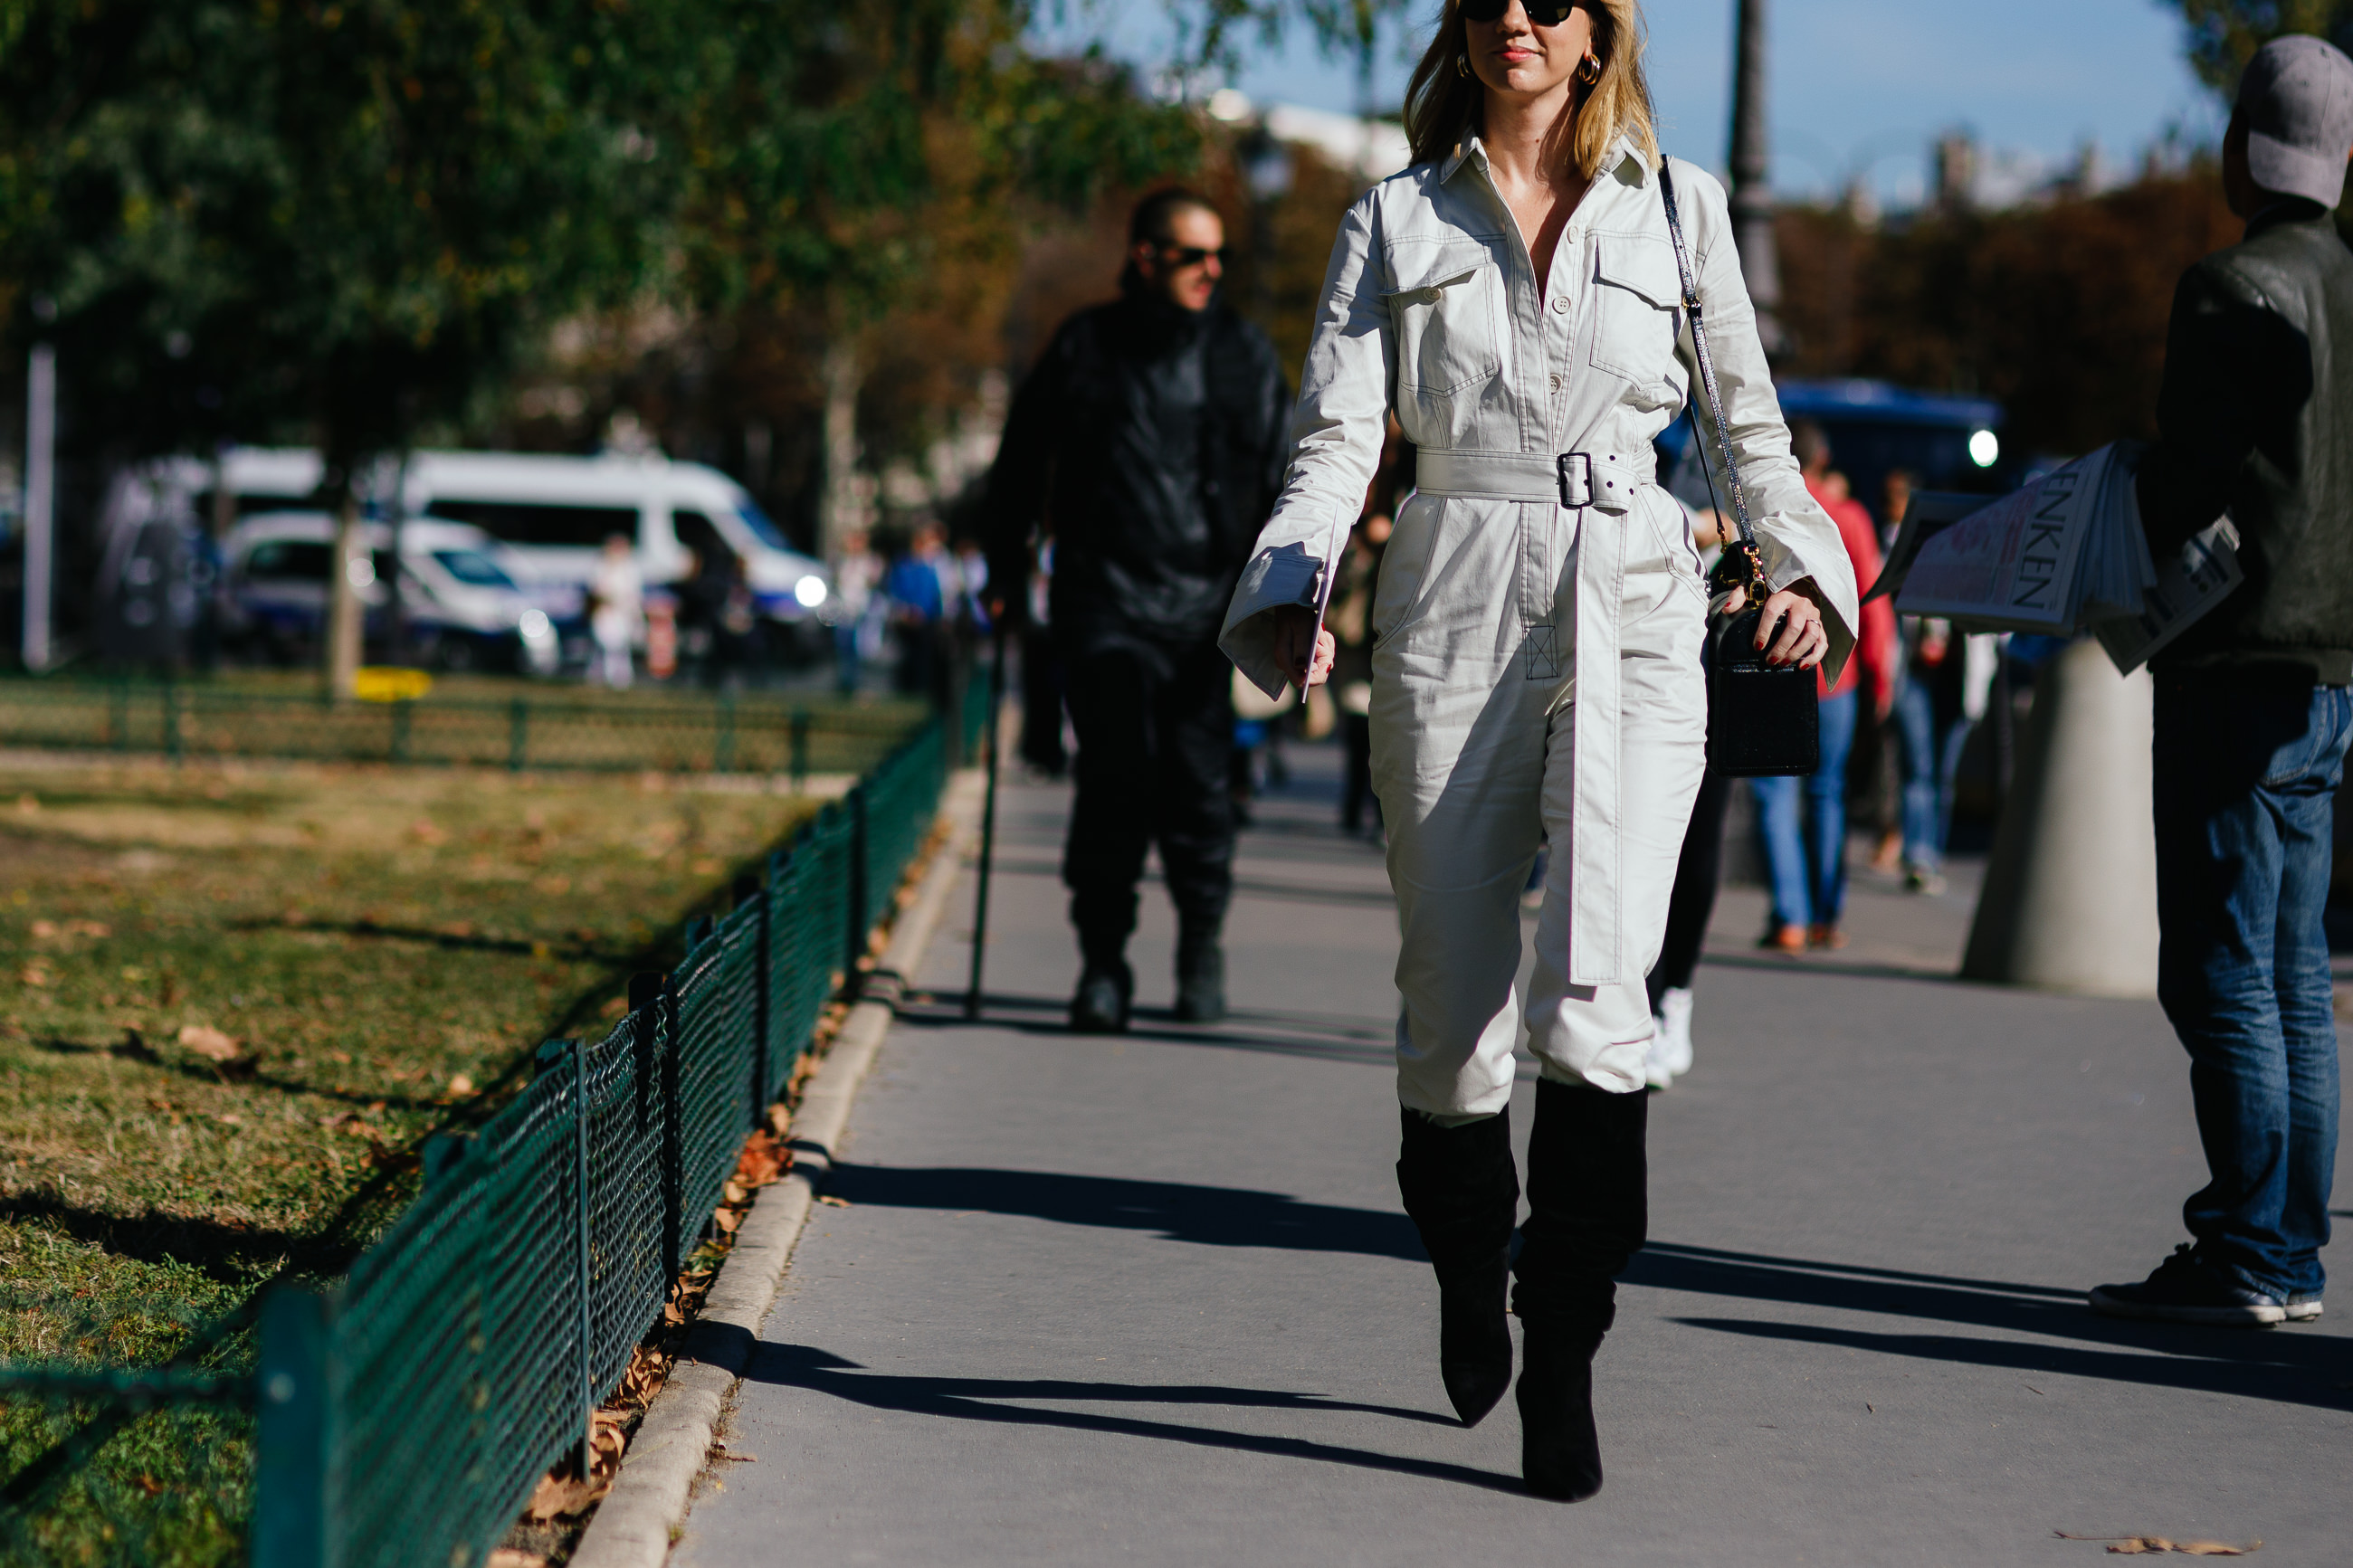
{"points": [[1473, 151]]}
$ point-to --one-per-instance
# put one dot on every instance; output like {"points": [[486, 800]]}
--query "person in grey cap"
{"points": [[2252, 708]]}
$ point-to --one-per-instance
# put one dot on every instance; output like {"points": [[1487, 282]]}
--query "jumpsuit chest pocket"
{"points": [[1639, 293], [1448, 314]]}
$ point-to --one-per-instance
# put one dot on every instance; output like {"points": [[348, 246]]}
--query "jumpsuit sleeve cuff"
{"points": [[1791, 553], [1276, 578]]}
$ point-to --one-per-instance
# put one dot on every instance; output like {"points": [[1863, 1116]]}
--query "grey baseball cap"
{"points": [[2297, 98]]}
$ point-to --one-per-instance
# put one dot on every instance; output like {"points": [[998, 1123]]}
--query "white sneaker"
{"points": [[1655, 1064], [1671, 1046]]}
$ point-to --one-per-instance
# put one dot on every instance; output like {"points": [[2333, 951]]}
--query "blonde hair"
{"points": [[1442, 102]]}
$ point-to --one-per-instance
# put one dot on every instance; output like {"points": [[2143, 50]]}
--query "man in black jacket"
{"points": [[1148, 442], [2253, 708]]}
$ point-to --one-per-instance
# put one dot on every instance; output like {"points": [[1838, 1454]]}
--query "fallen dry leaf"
{"points": [[96, 929], [727, 1220], [2143, 1545], [764, 1159], [837, 1203], [510, 1557], [462, 1084], [45, 930], [558, 1496], [209, 1043]]}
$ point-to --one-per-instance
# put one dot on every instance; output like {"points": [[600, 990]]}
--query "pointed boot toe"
{"points": [[1560, 1451], [1474, 1343]]}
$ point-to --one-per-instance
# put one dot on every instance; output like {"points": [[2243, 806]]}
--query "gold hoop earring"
{"points": [[1463, 65], [1590, 72]]}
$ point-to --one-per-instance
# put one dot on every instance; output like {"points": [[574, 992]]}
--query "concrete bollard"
{"points": [[2070, 897]]}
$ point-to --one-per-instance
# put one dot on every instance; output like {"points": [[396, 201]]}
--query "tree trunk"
{"points": [[842, 507], [348, 567]]}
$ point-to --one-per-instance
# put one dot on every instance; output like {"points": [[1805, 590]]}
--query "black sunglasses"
{"points": [[1189, 255], [1543, 12]]}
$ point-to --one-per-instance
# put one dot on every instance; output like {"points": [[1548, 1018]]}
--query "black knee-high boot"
{"points": [[1462, 1193], [1589, 1213]]}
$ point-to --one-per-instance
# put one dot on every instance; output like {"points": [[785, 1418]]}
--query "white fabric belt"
{"points": [[1603, 479]]}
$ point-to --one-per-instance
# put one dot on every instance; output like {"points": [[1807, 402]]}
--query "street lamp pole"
{"points": [[1752, 189], [40, 503]]}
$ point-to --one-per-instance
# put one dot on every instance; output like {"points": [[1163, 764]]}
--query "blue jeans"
{"points": [[1806, 850], [1930, 760], [2246, 781]]}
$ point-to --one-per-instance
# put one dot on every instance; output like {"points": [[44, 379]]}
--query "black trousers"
{"points": [[1156, 735], [1694, 898]]}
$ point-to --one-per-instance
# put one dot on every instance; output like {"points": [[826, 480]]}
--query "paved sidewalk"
{"points": [[1152, 1299]]}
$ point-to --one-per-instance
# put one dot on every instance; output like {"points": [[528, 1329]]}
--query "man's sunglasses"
{"points": [[1189, 255], [1543, 12]]}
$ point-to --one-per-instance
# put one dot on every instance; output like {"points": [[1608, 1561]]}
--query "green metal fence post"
{"points": [[747, 887], [652, 998], [855, 939], [585, 1274], [800, 749], [517, 733], [294, 1452]]}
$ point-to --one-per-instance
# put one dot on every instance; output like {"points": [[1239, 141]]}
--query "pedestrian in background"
{"points": [[2252, 709], [616, 611], [922, 591], [1802, 822], [1512, 298], [1150, 433], [857, 575]]}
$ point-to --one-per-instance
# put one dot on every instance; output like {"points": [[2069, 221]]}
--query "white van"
{"points": [[552, 514]]}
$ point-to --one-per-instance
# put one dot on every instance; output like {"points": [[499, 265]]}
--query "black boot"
{"points": [[1589, 1213], [1104, 916], [1200, 975], [1463, 1194], [1100, 1006]]}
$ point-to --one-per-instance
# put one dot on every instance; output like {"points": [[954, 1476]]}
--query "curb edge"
{"points": [[632, 1527]]}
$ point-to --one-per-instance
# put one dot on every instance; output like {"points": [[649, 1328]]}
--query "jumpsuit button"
{"points": [[1555, 383], [1560, 306]]}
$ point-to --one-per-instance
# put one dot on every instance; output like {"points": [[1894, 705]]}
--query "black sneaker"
{"points": [[1201, 982], [2302, 1306], [2185, 1289], [1100, 1006]]}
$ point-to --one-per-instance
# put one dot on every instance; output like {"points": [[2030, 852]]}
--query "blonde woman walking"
{"points": [[1515, 297]]}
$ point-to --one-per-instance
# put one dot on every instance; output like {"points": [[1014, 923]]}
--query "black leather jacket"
{"points": [[1149, 441], [2256, 418]]}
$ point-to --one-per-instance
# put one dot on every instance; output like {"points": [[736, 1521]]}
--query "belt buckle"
{"points": [[1576, 471]]}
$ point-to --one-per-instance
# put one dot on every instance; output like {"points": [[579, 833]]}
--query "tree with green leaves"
{"points": [[2225, 34], [337, 220]]}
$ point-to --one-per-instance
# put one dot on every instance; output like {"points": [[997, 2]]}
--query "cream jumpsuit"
{"points": [[1538, 624]]}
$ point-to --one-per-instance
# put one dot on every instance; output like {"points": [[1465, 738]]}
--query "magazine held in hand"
{"points": [[2063, 556]]}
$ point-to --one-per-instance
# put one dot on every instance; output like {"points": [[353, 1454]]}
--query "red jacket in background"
{"points": [[1874, 641]]}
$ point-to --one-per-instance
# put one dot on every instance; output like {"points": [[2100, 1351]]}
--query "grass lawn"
{"points": [[236, 997]]}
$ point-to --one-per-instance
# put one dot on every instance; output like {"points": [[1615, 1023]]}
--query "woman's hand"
{"points": [[1292, 625], [1802, 639]]}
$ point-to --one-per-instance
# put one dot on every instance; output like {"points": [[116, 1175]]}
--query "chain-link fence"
{"points": [[668, 731], [404, 1416]]}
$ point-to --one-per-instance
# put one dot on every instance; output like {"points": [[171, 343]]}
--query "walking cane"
{"points": [[987, 824]]}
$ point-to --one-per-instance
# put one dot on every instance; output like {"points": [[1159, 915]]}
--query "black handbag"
{"points": [[1764, 720]]}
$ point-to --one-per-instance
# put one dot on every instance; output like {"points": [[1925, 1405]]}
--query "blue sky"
{"points": [[1855, 83]]}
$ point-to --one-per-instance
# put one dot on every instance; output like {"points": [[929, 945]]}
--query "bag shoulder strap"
{"points": [[1747, 547]]}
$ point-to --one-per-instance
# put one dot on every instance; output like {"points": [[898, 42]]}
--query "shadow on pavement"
{"points": [[1179, 1210], [2291, 1365], [1359, 1039], [966, 1398]]}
